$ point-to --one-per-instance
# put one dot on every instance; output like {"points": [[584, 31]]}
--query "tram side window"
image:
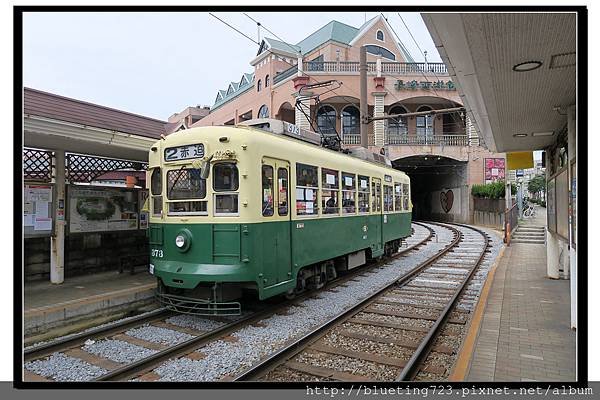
{"points": [[348, 193], [398, 196], [226, 179], [330, 193], [267, 191], [156, 190], [363, 194], [406, 195], [376, 193], [388, 198], [307, 184], [282, 182]]}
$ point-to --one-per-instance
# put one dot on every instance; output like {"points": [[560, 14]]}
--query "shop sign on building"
{"points": [[413, 85], [495, 169]]}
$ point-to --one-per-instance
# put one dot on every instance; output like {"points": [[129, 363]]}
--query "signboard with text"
{"points": [[95, 209], [37, 210]]}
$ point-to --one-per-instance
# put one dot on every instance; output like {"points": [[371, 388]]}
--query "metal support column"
{"points": [[364, 108], [57, 241], [572, 146]]}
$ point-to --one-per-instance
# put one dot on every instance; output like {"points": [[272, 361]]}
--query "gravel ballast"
{"points": [[118, 350], [63, 368], [157, 334]]}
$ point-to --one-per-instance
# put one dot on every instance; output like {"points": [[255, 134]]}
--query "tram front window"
{"points": [[185, 183], [226, 183]]}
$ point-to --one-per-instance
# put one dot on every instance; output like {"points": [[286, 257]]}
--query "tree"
{"points": [[536, 185]]}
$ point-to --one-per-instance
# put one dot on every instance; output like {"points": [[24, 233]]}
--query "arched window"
{"points": [[326, 119], [267, 81], [258, 85], [350, 122], [424, 124], [378, 50], [397, 127], [380, 35], [263, 111]]}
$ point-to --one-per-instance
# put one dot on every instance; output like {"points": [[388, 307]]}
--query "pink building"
{"points": [[440, 152]]}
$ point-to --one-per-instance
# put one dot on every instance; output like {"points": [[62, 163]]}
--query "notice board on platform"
{"points": [[102, 209], [37, 210]]}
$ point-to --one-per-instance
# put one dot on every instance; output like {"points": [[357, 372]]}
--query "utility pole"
{"points": [[364, 108]]}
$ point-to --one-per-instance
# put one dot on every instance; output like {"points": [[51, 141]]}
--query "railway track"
{"points": [[122, 351], [408, 330]]}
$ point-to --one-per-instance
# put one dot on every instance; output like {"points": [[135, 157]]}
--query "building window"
{"points": [[424, 124], [397, 127], [326, 120], [350, 121], [380, 36], [378, 50], [267, 81], [258, 85], [263, 111]]}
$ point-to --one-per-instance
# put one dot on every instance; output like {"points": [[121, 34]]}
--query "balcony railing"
{"points": [[285, 74], [412, 140], [386, 67]]}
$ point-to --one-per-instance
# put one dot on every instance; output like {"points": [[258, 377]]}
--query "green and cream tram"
{"points": [[239, 208]]}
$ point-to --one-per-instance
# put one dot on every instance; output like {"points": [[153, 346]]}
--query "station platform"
{"points": [[524, 331], [83, 300]]}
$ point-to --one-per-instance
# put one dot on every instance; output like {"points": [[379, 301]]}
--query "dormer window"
{"points": [[267, 81], [258, 85], [380, 36]]}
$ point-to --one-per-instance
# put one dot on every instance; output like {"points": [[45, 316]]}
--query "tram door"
{"points": [[277, 251], [376, 220]]}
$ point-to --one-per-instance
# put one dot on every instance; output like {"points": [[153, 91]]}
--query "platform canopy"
{"points": [[516, 72], [55, 122]]}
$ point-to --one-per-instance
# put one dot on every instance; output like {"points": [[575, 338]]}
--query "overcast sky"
{"points": [[156, 64]]}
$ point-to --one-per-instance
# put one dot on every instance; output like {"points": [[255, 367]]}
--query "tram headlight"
{"points": [[180, 241]]}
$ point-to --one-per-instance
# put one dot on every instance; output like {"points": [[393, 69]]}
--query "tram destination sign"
{"points": [[184, 152], [428, 85]]}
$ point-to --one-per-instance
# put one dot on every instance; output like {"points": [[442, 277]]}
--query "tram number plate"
{"points": [[184, 152], [157, 253]]}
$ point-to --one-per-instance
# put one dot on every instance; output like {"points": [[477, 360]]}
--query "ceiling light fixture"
{"points": [[546, 133], [527, 66], [520, 135]]}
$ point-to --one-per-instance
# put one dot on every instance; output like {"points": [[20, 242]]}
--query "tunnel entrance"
{"points": [[439, 187]]}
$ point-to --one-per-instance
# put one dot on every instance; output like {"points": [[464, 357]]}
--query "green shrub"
{"points": [[494, 190]]}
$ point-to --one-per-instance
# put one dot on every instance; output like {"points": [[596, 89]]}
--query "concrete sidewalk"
{"points": [[525, 332], [98, 297]]}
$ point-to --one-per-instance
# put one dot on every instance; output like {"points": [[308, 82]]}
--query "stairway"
{"points": [[531, 234]]}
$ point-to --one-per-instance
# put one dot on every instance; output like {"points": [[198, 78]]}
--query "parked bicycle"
{"points": [[529, 211]]}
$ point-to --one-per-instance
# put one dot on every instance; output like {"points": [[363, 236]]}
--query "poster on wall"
{"points": [[494, 169], [37, 209], [102, 209], [144, 215]]}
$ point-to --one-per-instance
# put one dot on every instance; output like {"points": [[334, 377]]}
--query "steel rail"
{"points": [[298, 345], [413, 365], [145, 364], [69, 341]]}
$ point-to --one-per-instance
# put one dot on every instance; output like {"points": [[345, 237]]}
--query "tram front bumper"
{"points": [[188, 276]]}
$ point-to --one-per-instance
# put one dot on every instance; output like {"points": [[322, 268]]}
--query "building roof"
{"points": [[278, 45], [238, 88], [334, 30], [48, 105]]}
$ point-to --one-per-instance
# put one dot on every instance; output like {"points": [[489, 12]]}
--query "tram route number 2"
{"points": [[157, 253]]}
